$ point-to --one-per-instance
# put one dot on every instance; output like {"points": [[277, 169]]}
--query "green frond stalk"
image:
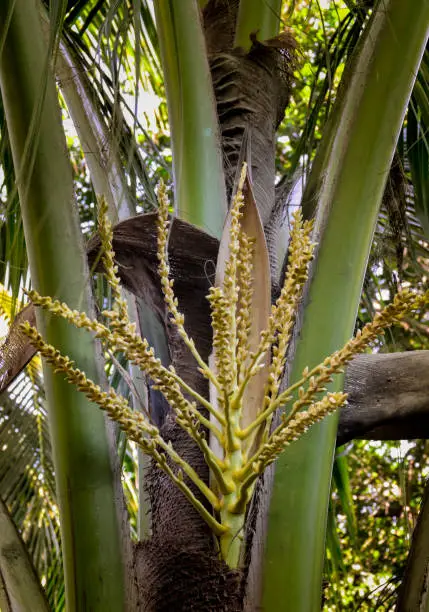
{"points": [[104, 163], [199, 185], [91, 545], [346, 182], [260, 17], [109, 180]]}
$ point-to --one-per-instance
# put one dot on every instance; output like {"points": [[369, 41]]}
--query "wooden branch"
{"points": [[388, 397], [16, 352]]}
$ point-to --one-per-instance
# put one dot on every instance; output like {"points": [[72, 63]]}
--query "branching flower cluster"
{"points": [[234, 471]]}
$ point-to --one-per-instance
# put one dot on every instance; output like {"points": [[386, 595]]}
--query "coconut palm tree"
{"points": [[228, 69]]}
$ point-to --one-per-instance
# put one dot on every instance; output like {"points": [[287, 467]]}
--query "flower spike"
{"points": [[246, 448]]}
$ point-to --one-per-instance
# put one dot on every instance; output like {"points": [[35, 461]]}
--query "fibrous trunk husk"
{"points": [[252, 91]]}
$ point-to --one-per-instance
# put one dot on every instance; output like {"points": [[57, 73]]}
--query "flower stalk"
{"points": [[235, 471]]}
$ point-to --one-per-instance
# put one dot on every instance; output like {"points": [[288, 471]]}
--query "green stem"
{"points": [[89, 523], [214, 525], [108, 179], [205, 403], [200, 196], [347, 180], [231, 541], [261, 16], [190, 472], [232, 517]]}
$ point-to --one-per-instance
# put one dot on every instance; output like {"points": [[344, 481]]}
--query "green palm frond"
{"points": [[89, 29], [13, 256], [115, 47], [401, 243], [27, 484]]}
